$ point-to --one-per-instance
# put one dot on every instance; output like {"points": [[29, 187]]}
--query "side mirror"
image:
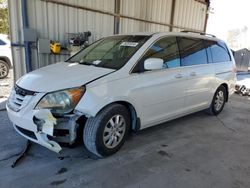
{"points": [[153, 64]]}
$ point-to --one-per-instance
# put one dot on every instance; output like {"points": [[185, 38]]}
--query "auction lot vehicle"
{"points": [[5, 56], [119, 84]]}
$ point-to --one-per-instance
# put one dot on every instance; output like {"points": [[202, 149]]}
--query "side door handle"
{"points": [[193, 74], [178, 76]]}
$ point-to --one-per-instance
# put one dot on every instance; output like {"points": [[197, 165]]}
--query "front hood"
{"points": [[60, 76]]}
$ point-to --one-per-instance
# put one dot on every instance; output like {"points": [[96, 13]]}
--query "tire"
{"points": [[79, 134], [99, 137], [218, 101], [4, 69]]}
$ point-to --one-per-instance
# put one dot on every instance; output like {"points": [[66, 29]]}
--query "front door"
{"points": [[159, 93]]}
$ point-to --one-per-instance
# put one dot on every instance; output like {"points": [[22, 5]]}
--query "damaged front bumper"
{"points": [[39, 138], [41, 127]]}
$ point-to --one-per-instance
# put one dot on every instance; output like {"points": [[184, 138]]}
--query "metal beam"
{"points": [[117, 18], [172, 14], [26, 44], [206, 20], [202, 2], [207, 15]]}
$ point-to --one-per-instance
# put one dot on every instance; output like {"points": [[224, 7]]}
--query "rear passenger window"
{"points": [[192, 51], [218, 51]]}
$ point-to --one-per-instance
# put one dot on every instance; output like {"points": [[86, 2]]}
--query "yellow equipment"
{"points": [[55, 47]]}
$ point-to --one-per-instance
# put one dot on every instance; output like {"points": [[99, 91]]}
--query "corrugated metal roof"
{"points": [[190, 14], [153, 10]]}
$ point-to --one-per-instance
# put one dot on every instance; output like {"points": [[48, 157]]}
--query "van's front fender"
{"points": [[95, 99]]}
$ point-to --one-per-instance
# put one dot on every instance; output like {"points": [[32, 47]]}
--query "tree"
{"points": [[4, 23]]}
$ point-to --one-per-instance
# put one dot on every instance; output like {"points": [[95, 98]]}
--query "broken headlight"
{"points": [[61, 102]]}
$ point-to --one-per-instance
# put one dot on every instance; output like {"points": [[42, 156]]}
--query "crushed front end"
{"points": [[40, 124]]}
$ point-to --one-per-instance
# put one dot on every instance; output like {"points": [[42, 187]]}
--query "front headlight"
{"points": [[61, 102]]}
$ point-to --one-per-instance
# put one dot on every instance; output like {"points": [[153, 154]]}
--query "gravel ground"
{"points": [[5, 86]]}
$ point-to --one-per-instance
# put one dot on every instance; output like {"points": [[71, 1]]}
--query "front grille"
{"points": [[23, 92], [19, 98], [27, 132]]}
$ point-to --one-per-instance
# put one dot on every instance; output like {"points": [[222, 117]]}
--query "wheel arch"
{"points": [[6, 59], [135, 120], [226, 87]]}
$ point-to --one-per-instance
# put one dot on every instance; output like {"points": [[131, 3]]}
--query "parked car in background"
{"points": [[5, 56], [122, 83]]}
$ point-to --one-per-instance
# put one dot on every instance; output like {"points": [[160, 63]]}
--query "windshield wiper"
{"points": [[90, 64], [85, 63]]}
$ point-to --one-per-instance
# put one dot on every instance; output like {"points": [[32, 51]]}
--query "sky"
{"points": [[228, 15]]}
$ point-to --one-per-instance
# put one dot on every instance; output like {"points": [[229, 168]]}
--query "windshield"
{"points": [[111, 52]]}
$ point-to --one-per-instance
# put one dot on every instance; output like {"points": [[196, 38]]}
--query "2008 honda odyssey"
{"points": [[122, 83]]}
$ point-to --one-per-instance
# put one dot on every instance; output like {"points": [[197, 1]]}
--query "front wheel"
{"points": [[218, 101], [104, 134]]}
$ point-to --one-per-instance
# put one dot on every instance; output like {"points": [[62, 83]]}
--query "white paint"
{"points": [[60, 76]]}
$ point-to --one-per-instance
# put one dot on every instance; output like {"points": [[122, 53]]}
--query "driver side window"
{"points": [[166, 49]]}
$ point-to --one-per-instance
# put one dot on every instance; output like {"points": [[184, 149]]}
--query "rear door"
{"points": [[199, 73], [222, 63]]}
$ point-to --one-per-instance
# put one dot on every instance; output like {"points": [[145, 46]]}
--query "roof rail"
{"points": [[201, 33]]}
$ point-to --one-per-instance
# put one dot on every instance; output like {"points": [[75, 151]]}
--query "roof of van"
{"points": [[182, 33]]}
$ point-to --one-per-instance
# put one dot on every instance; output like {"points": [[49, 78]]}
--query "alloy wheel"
{"points": [[114, 131], [3, 70], [219, 101]]}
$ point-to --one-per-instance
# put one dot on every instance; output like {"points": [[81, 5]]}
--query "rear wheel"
{"points": [[104, 134], [218, 101], [4, 69]]}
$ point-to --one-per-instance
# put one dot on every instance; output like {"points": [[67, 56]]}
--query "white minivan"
{"points": [[119, 84]]}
